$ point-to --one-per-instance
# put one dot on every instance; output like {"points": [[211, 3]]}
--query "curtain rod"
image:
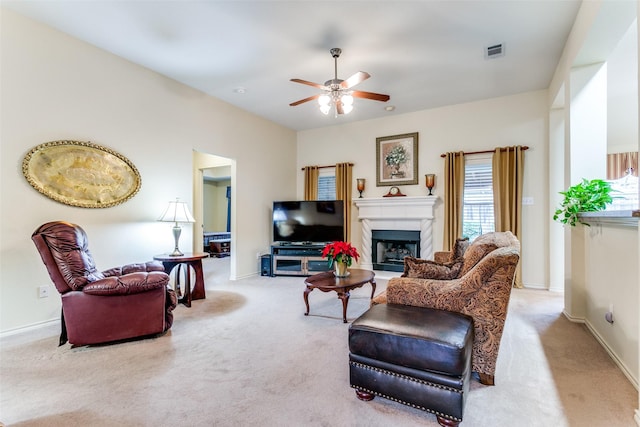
{"points": [[327, 166], [524, 148]]}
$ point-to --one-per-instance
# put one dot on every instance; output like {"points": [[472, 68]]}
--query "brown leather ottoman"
{"points": [[417, 356]]}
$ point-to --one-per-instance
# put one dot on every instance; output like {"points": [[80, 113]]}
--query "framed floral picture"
{"points": [[397, 160]]}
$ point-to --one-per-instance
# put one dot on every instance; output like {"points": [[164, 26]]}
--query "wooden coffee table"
{"points": [[327, 282]]}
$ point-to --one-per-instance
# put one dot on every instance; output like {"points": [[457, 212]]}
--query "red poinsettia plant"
{"points": [[340, 252]]}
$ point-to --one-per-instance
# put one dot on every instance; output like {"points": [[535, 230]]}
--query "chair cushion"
{"points": [[414, 337], [416, 268]]}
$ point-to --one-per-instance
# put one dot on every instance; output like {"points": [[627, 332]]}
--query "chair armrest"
{"points": [[143, 267], [127, 284], [430, 293], [134, 268]]}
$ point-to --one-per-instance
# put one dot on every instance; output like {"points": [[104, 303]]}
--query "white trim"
{"points": [[29, 328], [603, 343], [537, 286], [613, 355], [573, 319]]}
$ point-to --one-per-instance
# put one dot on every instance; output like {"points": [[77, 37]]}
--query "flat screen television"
{"points": [[308, 221]]}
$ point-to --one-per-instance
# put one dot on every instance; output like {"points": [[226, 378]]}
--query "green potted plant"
{"points": [[587, 196]]}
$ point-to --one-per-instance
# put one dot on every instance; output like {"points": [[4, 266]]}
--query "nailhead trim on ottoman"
{"points": [[416, 356]]}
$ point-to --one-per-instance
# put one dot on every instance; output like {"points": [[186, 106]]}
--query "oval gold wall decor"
{"points": [[81, 174]]}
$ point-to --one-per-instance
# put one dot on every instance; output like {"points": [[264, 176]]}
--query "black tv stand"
{"points": [[298, 244], [297, 259]]}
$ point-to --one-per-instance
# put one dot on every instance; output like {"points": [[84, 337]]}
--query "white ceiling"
{"points": [[424, 54]]}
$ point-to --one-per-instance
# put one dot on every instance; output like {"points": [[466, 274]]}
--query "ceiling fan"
{"points": [[338, 92]]}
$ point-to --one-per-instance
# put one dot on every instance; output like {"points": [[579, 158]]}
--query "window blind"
{"points": [[478, 217], [327, 185]]}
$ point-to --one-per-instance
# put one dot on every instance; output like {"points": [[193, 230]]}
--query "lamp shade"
{"points": [[177, 211]]}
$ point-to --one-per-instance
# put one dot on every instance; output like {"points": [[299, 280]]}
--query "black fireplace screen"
{"points": [[389, 247]]}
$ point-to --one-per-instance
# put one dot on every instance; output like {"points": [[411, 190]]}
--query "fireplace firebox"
{"points": [[389, 247]]}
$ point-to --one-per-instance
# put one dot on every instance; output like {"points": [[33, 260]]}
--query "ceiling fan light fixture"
{"points": [[324, 99], [346, 108], [347, 100], [325, 109]]}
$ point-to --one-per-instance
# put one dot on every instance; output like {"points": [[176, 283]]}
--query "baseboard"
{"points": [[29, 328], [386, 275], [559, 289], [610, 352], [613, 355], [542, 287], [572, 318], [247, 276], [535, 286]]}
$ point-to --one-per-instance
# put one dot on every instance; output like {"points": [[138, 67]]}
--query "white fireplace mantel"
{"points": [[396, 213]]}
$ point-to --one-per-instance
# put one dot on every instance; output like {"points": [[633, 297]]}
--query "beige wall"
{"points": [[483, 125], [611, 283], [622, 102], [55, 87], [215, 205]]}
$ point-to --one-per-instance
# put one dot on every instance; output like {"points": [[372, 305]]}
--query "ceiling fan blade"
{"points": [[339, 108], [370, 95], [358, 77], [305, 82], [311, 98]]}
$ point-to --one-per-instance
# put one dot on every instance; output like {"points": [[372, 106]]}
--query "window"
{"points": [[477, 205], [327, 184]]}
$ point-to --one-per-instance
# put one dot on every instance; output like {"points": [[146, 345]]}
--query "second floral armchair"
{"points": [[477, 284]]}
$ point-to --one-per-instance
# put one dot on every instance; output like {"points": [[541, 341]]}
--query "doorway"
{"points": [[213, 206]]}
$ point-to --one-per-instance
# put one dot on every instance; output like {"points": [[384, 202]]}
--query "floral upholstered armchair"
{"points": [[477, 283]]}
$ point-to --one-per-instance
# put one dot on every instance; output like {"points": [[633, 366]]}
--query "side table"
{"points": [[190, 260]]}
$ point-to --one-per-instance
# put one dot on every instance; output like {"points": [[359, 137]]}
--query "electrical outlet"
{"points": [[43, 291], [527, 200]]}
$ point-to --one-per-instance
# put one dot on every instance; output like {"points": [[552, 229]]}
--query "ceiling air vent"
{"points": [[495, 51]]}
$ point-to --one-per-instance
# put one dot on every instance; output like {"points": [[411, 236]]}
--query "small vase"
{"points": [[341, 269], [396, 172]]}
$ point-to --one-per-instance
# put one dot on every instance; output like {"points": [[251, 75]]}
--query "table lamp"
{"points": [[177, 212]]}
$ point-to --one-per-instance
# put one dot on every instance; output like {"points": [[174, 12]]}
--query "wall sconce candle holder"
{"points": [[430, 181], [360, 187]]}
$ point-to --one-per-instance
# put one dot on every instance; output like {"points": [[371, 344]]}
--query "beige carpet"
{"points": [[248, 356]]}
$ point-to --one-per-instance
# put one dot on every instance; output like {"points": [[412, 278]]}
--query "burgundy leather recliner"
{"points": [[98, 307]]}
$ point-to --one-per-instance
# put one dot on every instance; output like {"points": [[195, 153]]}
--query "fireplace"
{"points": [[397, 214], [389, 247]]}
